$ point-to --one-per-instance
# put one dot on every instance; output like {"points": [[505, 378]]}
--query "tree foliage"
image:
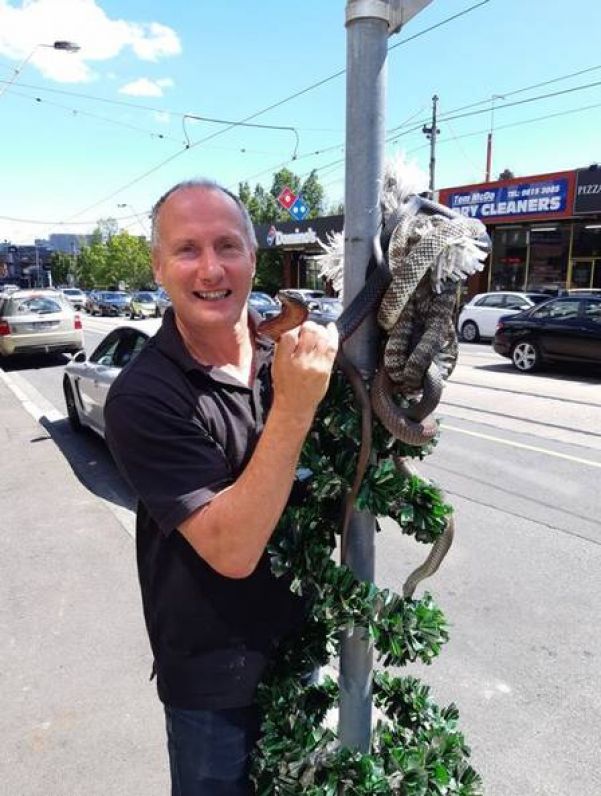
{"points": [[120, 258], [264, 208]]}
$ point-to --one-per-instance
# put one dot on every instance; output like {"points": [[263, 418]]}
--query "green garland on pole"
{"points": [[416, 748]]}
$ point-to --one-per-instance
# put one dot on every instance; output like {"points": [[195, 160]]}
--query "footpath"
{"points": [[79, 716]]}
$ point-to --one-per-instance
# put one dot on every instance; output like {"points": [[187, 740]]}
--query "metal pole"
{"points": [[367, 34], [433, 146]]}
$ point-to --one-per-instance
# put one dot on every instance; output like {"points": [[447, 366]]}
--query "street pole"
{"points": [[365, 129], [368, 25], [431, 133]]}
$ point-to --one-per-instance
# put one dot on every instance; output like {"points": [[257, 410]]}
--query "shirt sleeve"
{"points": [[171, 462]]}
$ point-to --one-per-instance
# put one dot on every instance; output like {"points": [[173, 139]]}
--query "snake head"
{"points": [[294, 313]]}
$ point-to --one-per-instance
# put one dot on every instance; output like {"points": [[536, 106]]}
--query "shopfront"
{"points": [[298, 245], [545, 230]]}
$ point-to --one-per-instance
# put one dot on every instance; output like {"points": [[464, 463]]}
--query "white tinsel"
{"points": [[461, 257], [331, 263], [401, 179]]}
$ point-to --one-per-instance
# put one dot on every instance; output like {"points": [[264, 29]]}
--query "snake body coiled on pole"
{"points": [[423, 252]]}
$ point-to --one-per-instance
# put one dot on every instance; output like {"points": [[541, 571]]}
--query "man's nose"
{"points": [[210, 266]]}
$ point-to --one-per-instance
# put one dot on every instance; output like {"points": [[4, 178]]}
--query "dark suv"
{"points": [[566, 329]]}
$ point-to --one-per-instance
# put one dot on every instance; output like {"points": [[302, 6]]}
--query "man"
{"points": [[207, 424]]}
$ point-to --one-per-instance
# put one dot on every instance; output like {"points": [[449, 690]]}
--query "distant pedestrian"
{"points": [[207, 424]]}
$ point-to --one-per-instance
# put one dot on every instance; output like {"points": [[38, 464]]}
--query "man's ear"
{"points": [[156, 267]]}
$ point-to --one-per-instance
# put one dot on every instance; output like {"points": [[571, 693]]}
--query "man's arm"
{"points": [[231, 532]]}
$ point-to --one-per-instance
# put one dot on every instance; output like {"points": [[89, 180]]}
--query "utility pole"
{"points": [[431, 133], [368, 25]]}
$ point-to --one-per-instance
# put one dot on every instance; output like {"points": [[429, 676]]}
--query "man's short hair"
{"points": [[209, 185]]}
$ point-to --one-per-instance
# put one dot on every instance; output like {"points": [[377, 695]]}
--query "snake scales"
{"points": [[429, 249]]}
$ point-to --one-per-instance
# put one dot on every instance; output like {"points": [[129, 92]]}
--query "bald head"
{"points": [[207, 185]]}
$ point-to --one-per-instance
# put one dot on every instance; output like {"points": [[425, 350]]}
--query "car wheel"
{"points": [[72, 412], [526, 356], [470, 332]]}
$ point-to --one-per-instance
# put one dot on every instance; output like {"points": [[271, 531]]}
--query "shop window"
{"points": [[508, 266], [549, 252], [587, 240]]}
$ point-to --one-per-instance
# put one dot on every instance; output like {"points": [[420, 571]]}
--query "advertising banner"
{"points": [[528, 198], [587, 198]]}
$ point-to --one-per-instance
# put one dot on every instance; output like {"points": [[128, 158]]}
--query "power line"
{"points": [[261, 112]]}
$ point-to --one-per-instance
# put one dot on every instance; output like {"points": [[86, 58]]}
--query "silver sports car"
{"points": [[87, 379]]}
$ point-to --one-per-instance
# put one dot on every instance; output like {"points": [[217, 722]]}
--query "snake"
{"points": [[421, 349]]}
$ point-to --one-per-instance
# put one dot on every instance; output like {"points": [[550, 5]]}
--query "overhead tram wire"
{"points": [[265, 110], [132, 218], [77, 112]]}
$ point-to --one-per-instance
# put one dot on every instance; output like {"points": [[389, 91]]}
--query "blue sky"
{"points": [[74, 156]]}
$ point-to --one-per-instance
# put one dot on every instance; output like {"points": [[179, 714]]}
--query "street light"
{"points": [[66, 46], [136, 214]]}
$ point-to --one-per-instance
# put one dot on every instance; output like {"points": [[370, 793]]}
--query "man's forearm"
{"points": [[232, 531]]}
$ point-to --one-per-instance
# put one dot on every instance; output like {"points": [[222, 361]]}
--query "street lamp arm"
{"points": [[66, 46]]}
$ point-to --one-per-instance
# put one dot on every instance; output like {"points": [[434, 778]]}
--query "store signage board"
{"points": [[516, 200], [587, 196], [293, 239]]}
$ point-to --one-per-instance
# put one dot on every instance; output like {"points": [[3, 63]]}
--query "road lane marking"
{"points": [[521, 445]]}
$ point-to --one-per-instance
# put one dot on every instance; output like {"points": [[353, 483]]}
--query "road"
{"points": [[520, 460]]}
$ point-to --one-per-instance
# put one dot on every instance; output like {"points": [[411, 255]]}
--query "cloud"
{"points": [[35, 22], [143, 87]]}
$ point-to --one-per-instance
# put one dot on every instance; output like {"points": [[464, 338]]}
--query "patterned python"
{"points": [[430, 249]]}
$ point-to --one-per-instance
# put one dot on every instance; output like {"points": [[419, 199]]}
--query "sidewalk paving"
{"points": [[79, 716]]}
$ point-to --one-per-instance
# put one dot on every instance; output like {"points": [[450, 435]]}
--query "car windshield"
{"points": [[260, 298], [38, 305], [72, 291], [144, 297]]}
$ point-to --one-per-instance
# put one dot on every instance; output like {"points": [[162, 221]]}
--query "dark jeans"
{"points": [[209, 750]]}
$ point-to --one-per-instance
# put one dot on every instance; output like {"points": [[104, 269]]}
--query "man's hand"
{"points": [[301, 370]]}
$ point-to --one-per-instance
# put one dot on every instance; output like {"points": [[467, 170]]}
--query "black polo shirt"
{"points": [[180, 432]]}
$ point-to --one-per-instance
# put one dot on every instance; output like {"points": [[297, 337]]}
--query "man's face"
{"points": [[204, 259]]}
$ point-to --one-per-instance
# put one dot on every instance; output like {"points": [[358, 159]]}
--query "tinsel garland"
{"points": [[416, 748]]}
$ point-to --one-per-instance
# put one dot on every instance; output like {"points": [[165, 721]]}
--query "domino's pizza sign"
{"points": [[293, 203]]}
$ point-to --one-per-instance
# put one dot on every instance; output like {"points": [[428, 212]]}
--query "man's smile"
{"points": [[211, 295]]}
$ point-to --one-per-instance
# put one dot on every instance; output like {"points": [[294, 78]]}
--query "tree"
{"points": [[122, 258], [313, 194], [61, 266], [107, 227], [506, 174]]}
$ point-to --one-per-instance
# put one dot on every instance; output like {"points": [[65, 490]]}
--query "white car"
{"points": [[479, 317], [38, 321], [75, 297], [87, 379]]}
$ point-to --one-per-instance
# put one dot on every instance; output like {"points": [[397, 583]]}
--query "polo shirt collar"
{"points": [[169, 341]]}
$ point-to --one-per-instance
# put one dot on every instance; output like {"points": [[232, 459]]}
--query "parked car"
{"points": [[162, 300], [38, 321], [86, 380], [324, 310], [264, 304], [566, 329], [304, 293], [109, 302], [478, 318], [143, 305], [75, 297]]}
